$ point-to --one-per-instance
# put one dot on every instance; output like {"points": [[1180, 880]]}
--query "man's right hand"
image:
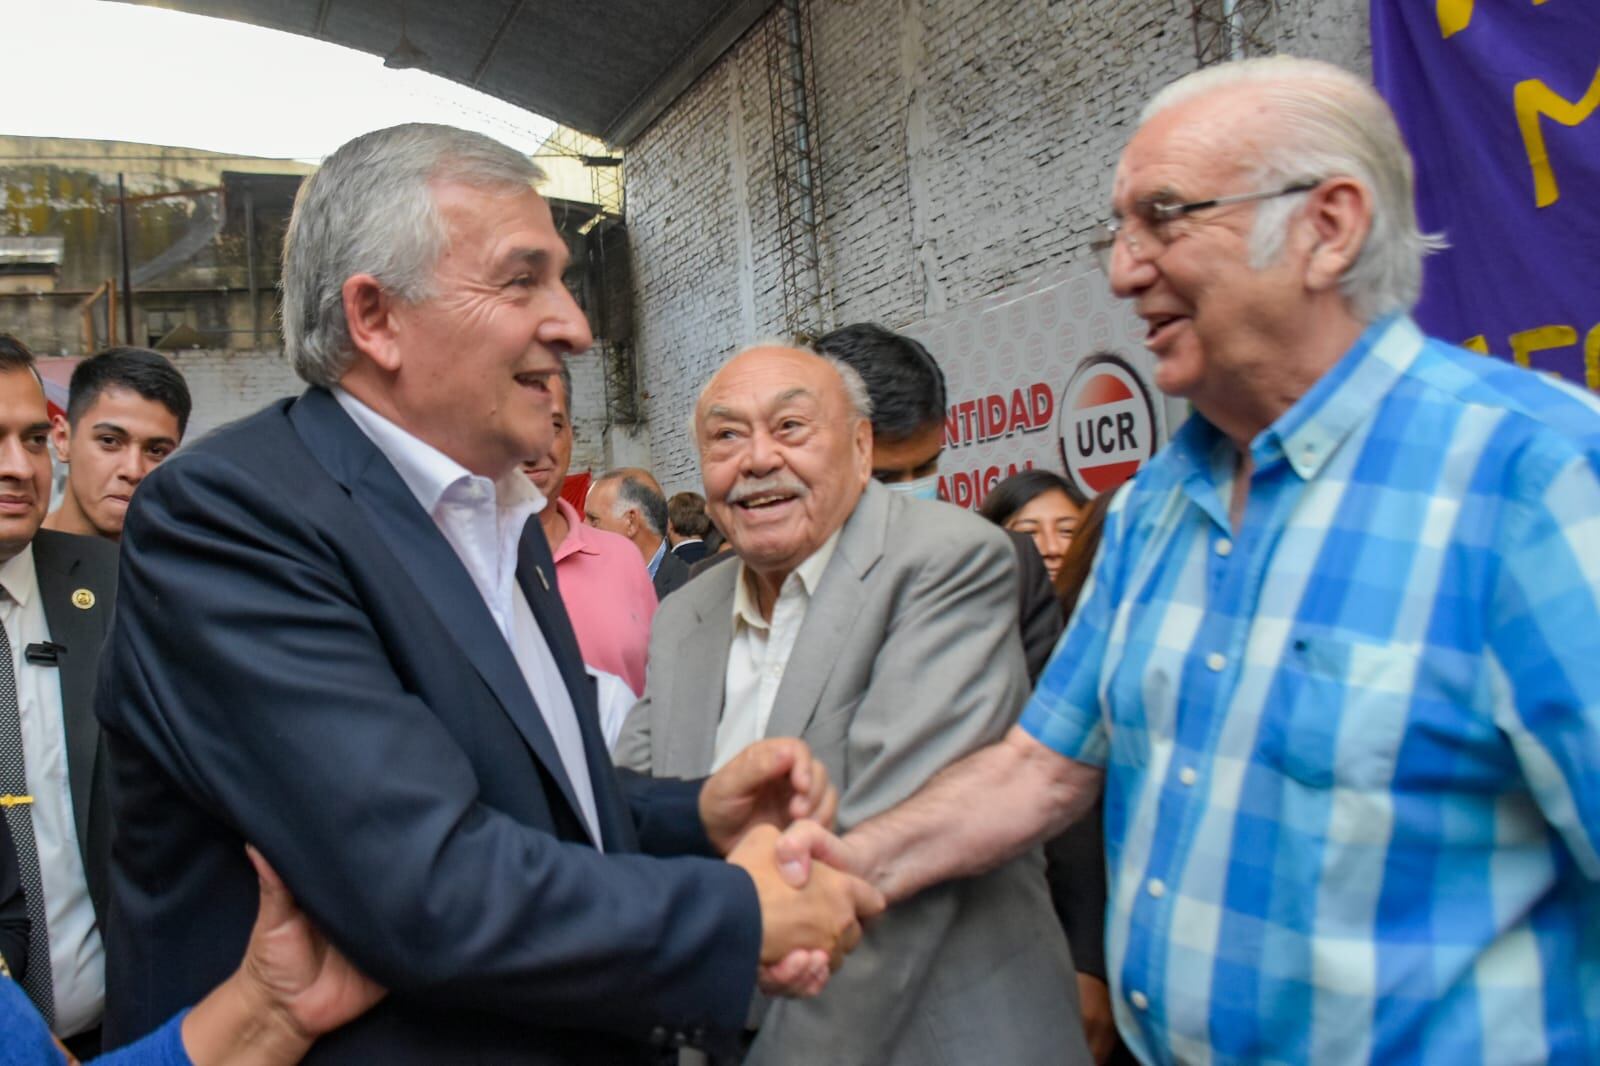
{"points": [[825, 915]]}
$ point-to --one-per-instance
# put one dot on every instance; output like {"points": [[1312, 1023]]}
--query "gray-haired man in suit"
{"points": [[882, 630]]}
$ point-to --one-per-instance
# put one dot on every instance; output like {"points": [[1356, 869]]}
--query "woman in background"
{"points": [[1042, 504]]}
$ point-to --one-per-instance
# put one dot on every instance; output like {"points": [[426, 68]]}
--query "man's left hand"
{"points": [[772, 782], [299, 974]]}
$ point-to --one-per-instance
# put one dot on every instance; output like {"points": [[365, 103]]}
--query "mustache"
{"points": [[767, 486]]}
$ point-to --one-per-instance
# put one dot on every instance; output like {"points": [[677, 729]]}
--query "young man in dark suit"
{"points": [[56, 606]]}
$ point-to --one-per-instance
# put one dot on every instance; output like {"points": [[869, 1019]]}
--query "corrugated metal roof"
{"points": [[606, 67], [32, 251]]}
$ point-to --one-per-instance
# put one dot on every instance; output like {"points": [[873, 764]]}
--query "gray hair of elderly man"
{"points": [[855, 388], [1328, 122], [369, 209]]}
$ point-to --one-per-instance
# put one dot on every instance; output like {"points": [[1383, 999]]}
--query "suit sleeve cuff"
{"points": [[666, 813]]}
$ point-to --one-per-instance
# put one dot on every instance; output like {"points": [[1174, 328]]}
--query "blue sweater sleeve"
{"points": [[27, 1041], [164, 1047]]}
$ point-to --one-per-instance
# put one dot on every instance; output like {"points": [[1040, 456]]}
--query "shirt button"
{"points": [[1156, 887], [1223, 547], [1139, 1000], [1188, 776], [1216, 661]]}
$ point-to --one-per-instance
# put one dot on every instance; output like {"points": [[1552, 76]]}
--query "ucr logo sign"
{"points": [[1107, 424]]}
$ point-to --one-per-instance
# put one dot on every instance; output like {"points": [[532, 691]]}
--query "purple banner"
{"points": [[1500, 103]]}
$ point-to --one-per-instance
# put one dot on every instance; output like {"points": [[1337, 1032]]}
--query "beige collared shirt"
{"points": [[760, 651]]}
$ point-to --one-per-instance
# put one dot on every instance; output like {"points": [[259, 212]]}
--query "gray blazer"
{"points": [[908, 659]]}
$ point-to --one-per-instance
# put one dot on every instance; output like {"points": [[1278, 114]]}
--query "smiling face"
{"points": [[1050, 518], [549, 470], [469, 368], [118, 439], [1210, 316], [600, 509], [24, 460], [783, 455]]}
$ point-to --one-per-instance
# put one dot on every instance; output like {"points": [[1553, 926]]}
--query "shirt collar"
{"points": [[428, 472], [1310, 431], [18, 577], [808, 573], [579, 538], [655, 560], [1313, 428]]}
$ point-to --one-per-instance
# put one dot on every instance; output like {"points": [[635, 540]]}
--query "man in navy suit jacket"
{"points": [[339, 637]]}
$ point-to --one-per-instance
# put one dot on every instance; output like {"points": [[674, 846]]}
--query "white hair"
{"points": [[369, 209], [1327, 122], [855, 388]]}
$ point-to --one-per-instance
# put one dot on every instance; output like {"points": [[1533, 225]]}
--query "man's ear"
{"points": [[1340, 213], [369, 313], [863, 435], [60, 437]]}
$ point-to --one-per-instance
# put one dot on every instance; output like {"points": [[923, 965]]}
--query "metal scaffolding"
{"points": [[604, 240], [617, 355], [1232, 29], [797, 168]]}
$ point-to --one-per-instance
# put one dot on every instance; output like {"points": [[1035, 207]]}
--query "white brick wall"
{"points": [[967, 145], [228, 385]]}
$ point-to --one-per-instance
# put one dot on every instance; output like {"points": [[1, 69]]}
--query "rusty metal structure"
{"points": [[1232, 29], [797, 167], [600, 265]]}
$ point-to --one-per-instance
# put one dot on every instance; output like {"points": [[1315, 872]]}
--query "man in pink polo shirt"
{"points": [[603, 580]]}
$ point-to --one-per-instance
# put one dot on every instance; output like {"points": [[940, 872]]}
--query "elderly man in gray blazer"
{"points": [[881, 630]]}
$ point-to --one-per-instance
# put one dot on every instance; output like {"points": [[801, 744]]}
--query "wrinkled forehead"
{"points": [[1192, 149], [756, 381], [498, 221]]}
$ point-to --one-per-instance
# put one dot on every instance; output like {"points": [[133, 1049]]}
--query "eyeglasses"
{"points": [[1154, 218]]}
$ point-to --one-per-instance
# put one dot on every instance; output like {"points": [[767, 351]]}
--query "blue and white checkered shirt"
{"points": [[1353, 752]]}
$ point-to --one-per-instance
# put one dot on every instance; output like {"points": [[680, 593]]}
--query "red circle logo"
{"points": [[1106, 428]]}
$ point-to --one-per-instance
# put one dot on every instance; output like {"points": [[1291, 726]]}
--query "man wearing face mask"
{"points": [[907, 391]]}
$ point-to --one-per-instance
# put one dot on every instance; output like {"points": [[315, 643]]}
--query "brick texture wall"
{"points": [[967, 145], [228, 385]]}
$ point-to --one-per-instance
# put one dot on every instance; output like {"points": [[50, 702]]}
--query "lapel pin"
{"points": [[540, 571], [83, 599]]}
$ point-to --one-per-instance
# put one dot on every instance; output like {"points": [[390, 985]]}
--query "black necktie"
{"points": [[19, 818]]}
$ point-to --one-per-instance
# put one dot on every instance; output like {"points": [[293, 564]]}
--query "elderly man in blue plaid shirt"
{"points": [[1338, 669]]}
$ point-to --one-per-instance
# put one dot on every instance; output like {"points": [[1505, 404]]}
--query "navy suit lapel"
{"points": [[432, 565], [536, 574], [80, 630]]}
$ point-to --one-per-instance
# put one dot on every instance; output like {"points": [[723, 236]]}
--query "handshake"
{"points": [[811, 913]]}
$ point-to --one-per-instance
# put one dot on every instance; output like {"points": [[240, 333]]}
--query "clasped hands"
{"points": [[811, 915]]}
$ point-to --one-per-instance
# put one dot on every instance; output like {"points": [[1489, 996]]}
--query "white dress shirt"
{"points": [[77, 959], [616, 698], [760, 652], [483, 522]]}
